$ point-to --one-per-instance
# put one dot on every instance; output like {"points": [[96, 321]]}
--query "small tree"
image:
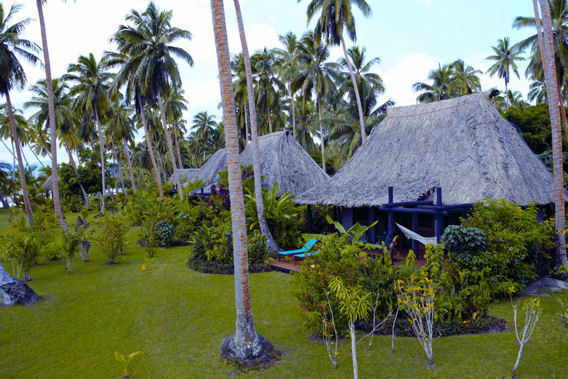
{"points": [[355, 304], [416, 297], [564, 313], [532, 310], [82, 230]]}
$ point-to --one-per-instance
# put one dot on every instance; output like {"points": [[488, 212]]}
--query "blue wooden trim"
{"points": [[409, 203], [415, 210]]}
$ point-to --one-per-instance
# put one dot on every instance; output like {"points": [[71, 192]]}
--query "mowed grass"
{"points": [[178, 318]]}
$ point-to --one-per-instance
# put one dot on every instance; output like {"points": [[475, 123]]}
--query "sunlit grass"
{"points": [[178, 319]]}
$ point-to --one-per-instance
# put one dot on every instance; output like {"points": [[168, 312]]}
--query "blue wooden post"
{"points": [[415, 230], [439, 220], [309, 218], [371, 235], [390, 219]]}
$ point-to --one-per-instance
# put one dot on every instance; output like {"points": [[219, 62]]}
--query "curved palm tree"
{"points": [[263, 224], [440, 88], [465, 78], [505, 57], [335, 17], [12, 75], [92, 90], [52, 122], [63, 117], [317, 76], [151, 59], [363, 77], [245, 344]]}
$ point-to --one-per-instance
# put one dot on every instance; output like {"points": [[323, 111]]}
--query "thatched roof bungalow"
{"points": [[460, 147], [284, 161], [208, 173]]}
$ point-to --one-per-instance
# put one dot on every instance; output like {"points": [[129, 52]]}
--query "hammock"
{"points": [[415, 236]]}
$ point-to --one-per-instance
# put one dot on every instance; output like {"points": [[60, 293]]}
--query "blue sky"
{"points": [[410, 36]]}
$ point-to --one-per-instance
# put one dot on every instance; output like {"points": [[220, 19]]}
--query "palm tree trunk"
{"points": [[102, 153], [245, 344], [85, 196], [52, 124], [151, 150], [127, 155], [321, 136], [27, 204], [170, 148], [162, 167], [507, 93], [120, 177], [293, 113], [553, 106], [355, 89], [263, 224], [176, 141], [269, 119], [246, 125]]}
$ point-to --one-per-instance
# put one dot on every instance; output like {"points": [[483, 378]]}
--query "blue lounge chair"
{"points": [[307, 247]]}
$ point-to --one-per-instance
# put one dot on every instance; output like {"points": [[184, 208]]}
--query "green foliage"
{"points": [[355, 232], [69, 243], [89, 177], [257, 249], [516, 241], [534, 123], [109, 237], [285, 219], [465, 245], [563, 312], [125, 360], [164, 231]]}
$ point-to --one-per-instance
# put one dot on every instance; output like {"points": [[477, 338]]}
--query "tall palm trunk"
{"points": [[162, 167], [507, 105], [102, 153], [129, 162], [120, 177], [269, 119], [27, 204], [245, 344], [170, 148], [265, 230], [72, 160], [321, 136], [553, 105], [176, 141], [151, 149], [52, 124], [293, 112], [246, 126], [355, 89]]}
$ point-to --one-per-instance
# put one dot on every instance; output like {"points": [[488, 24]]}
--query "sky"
{"points": [[411, 37]]}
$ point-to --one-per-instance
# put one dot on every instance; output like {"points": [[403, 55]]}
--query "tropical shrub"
{"points": [[110, 237], [465, 245], [516, 241], [69, 243], [257, 249], [164, 231]]}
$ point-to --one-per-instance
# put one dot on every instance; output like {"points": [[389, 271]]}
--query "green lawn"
{"points": [[178, 319]]}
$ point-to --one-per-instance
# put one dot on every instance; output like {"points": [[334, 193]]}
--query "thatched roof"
{"points": [[47, 184], [208, 173], [462, 145], [284, 160]]}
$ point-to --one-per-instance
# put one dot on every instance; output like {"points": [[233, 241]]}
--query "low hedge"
{"points": [[225, 268]]}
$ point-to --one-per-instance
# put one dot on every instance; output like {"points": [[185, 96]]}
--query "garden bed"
{"points": [[225, 268]]}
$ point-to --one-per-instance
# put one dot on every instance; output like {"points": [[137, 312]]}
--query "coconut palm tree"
{"points": [[287, 60], [441, 87], [52, 122], [269, 86], [204, 126], [317, 76], [335, 17], [553, 95], [505, 57], [264, 229], [175, 104], [465, 79], [91, 89], [245, 344], [12, 75], [148, 43], [63, 117]]}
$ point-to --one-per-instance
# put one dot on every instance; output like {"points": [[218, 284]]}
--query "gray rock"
{"points": [[537, 287]]}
